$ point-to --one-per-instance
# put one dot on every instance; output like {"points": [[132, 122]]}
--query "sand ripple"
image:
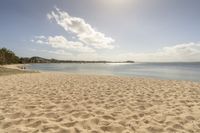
{"points": [[59, 103]]}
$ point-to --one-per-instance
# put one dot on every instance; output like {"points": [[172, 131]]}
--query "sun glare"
{"points": [[117, 3]]}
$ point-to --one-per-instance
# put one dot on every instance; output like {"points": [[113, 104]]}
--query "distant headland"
{"points": [[43, 60], [9, 57]]}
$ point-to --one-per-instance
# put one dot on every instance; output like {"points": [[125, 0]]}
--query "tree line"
{"points": [[8, 57]]}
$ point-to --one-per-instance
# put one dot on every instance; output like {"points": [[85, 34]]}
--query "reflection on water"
{"points": [[178, 71]]}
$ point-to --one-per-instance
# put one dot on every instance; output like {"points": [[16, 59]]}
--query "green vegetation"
{"points": [[8, 57]]}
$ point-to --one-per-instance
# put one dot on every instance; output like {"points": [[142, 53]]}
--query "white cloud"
{"points": [[55, 54], [85, 33], [90, 39], [40, 37], [181, 52], [188, 52], [61, 42], [60, 52]]}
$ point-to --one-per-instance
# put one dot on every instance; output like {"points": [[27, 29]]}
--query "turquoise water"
{"points": [[177, 71]]}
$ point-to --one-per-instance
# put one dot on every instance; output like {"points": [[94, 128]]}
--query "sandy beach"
{"points": [[61, 103], [16, 66]]}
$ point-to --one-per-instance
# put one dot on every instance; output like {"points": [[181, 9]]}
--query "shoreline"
{"points": [[14, 69], [22, 67], [15, 66]]}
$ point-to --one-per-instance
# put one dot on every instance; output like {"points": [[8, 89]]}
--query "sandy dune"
{"points": [[59, 103]]}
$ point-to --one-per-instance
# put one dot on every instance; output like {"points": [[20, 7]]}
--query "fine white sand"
{"points": [[60, 103]]}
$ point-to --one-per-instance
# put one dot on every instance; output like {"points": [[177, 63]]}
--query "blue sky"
{"points": [[140, 30]]}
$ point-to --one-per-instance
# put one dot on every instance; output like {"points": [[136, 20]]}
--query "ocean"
{"points": [[172, 71]]}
